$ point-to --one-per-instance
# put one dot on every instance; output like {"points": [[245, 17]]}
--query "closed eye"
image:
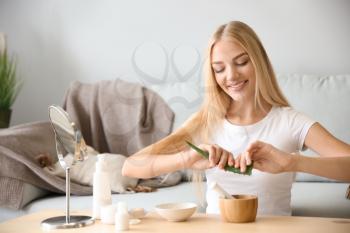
{"points": [[216, 71], [242, 63]]}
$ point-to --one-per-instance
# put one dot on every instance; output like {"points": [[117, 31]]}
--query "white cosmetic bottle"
{"points": [[122, 217], [101, 187]]}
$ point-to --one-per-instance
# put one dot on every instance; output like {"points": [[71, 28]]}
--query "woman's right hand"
{"points": [[217, 157]]}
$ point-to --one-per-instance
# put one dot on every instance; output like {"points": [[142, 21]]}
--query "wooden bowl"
{"points": [[241, 209]]}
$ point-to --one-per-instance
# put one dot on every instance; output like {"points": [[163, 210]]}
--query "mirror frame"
{"points": [[80, 148], [80, 154]]}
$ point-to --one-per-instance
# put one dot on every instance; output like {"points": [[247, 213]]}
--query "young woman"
{"points": [[245, 118]]}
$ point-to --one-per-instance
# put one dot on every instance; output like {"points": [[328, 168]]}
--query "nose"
{"points": [[232, 74]]}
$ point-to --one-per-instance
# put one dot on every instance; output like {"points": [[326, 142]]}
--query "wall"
{"points": [[56, 42]]}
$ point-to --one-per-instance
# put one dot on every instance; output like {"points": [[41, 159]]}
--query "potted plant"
{"points": [[9, 84]]}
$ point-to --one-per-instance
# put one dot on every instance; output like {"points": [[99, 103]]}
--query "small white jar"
{"points": [[121, 221], [108, 214], [121, 217]]}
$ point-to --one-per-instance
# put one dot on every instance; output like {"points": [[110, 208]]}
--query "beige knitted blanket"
{"points": [[114, 117]]}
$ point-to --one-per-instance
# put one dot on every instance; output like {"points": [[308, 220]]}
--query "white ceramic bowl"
{"points": [[176, 212]]}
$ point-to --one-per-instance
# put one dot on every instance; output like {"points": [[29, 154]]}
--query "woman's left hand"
{"points": [[266, 158]]}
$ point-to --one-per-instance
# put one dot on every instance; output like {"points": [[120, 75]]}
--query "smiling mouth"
{"points": [[238, 86]]}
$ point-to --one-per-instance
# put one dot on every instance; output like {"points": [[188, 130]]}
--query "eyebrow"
{"points": [[239, 55]]}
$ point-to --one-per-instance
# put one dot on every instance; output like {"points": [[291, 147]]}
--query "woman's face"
{"points": [[233, 69]]}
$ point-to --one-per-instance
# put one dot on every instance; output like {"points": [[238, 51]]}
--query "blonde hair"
{"points": [[213, 110], [203, 123]]}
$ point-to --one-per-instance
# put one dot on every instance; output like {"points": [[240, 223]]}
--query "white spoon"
{"points": [[222, 193]]}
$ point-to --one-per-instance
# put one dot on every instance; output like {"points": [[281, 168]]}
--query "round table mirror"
{"points": [[69, 140]]}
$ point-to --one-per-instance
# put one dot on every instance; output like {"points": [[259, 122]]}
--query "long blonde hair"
{"points": [[203, 123]]}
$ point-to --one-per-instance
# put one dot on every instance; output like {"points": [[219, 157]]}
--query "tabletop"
{"points": [[197, 223]]}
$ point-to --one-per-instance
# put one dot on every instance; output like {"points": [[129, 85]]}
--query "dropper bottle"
{"points": [[101, 186]]}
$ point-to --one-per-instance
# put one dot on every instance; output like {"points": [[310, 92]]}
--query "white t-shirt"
{"points": [[282, 127]]}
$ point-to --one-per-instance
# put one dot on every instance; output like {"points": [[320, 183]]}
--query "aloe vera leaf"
{"points": [[205, 154]]}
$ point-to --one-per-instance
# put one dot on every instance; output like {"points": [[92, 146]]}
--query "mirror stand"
{"points": [[68, 221]]}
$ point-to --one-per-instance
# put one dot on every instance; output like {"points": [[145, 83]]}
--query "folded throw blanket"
{"points": [[114, 116], [19, 147], [117, 116]]}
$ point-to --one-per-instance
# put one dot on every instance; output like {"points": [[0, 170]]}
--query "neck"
{"points": [[245, 112]]}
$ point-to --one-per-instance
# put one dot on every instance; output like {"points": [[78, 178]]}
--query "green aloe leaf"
{"points": [[205, 154]]}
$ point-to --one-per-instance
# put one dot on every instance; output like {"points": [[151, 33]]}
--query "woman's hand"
{"points": [[266, 158], [217, 157]]}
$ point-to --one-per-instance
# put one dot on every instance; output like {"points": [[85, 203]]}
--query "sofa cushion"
{"points": [[324, 99], [320, 199]]}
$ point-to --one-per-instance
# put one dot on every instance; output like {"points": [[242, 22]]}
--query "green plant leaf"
{"points": [[9, 84], [205, 154]]}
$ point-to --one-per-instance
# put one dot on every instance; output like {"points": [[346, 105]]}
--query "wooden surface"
{"points": [[197, 223]]}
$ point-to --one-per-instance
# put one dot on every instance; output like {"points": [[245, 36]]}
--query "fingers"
{"points": [[243, 164], [223, 160], [254, 146], [230, 160], [242, 161], [248, 158], [214, 153], [237, 161], [256, 150], [218, 156], [219, 152]]}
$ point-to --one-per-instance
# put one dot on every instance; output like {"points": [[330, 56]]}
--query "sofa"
{"points": [[323, 98]]}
